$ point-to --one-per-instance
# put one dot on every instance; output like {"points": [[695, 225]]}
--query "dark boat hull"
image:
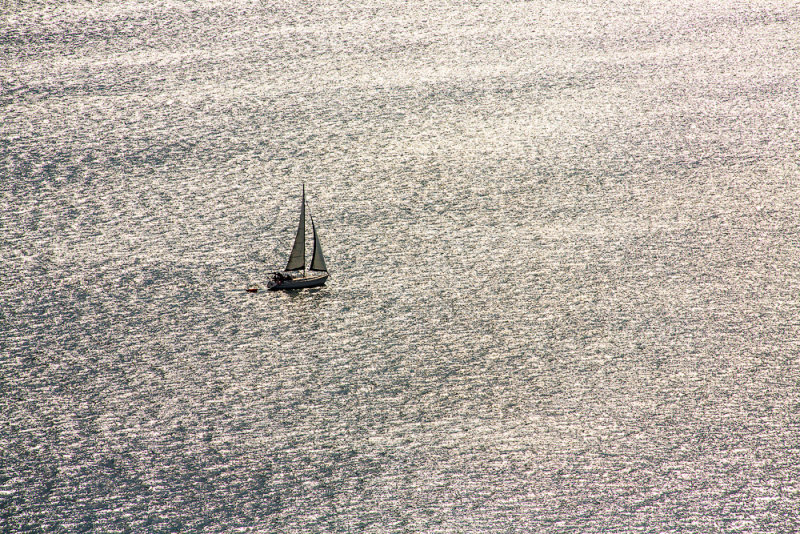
{"points": [[298, 283]]}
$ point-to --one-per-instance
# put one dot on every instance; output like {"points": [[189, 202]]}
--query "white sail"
{"points": [[317, 260], [297, 258]]}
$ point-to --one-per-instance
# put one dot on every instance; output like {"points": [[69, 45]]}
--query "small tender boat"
{"points": [[295, 276]]}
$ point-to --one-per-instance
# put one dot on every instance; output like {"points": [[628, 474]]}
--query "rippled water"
{"points": [[563, 241]]}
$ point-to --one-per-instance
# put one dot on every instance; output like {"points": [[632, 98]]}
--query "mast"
{"points": [[297, 257]]}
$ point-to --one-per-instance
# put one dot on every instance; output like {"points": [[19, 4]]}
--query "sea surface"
{"points": [[564, 249]]}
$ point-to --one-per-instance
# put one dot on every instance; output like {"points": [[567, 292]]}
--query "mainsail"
{"points": [[297, 258]]}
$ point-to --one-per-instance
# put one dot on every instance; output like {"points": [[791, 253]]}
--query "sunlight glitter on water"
{"points": [[562, 242]]}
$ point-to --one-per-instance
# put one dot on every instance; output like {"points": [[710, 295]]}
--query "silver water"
{"points": [[563, 243]]}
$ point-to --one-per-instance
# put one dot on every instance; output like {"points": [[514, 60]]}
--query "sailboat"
{"points": [[295, 276]]}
